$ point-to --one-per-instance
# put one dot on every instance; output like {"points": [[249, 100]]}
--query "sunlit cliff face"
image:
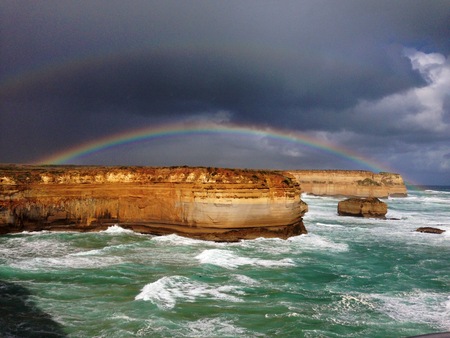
{"points": [[209, 203], [357, 183]]}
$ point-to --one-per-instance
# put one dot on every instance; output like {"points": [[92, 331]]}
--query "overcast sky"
{"points": [[369, 76]]}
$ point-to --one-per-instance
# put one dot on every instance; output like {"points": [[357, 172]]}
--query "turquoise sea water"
{"points": [[348, 277]]}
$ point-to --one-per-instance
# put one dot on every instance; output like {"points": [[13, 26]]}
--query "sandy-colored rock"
{"points": [[209, 203], [362, 207], [349, 183]]}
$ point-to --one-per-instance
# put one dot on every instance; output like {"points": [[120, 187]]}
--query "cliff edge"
{"points": [[350, 183], [207, 203]]}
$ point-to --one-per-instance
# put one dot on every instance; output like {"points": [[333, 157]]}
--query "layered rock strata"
{"points": [[207, 203], [349, 183], [362, 207]]}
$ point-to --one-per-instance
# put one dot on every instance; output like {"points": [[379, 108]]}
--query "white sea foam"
{"points": [[418, 307], [180, 240], [447, 304], [330, 225], [274, 247], [204, 327], [43, 232], [440, 192], [94, 252], [355, 302], [120, 316], [18, 248], [166, 291], [104, 251], [246, 280], [116, 229], [66, 262], [447, 231], [213, 327], [228, 260], [282, 315], [316, 242], [435, 200]]}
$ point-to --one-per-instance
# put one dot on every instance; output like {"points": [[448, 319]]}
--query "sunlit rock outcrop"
{"points": [[350, 183], [208, 203], [362, 207]]}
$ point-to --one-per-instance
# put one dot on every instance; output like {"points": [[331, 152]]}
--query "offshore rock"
{"points": [[206, 203], [349, 183], [430, 230], [362, 207]]}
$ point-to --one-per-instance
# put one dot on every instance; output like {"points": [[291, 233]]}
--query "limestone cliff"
{"points": [[351, 183], [208, 203]]}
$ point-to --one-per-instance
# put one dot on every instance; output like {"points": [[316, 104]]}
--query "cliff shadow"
{"points": [[20, 316]]}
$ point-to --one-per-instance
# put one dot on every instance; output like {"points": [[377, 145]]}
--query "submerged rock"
{"points": [[430, 230], [362, 207]]}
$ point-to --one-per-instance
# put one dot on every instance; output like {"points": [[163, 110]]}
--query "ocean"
{"points": [[349, 277]]}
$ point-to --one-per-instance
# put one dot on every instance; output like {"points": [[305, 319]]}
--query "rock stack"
{"points": [[362, 207]]}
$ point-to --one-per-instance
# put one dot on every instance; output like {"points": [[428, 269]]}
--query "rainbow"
{"points": [[196, 129], [21, 79]]}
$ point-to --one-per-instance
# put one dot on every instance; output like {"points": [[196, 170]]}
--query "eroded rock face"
{"points": [[208, 203], [362, 207], [350, 183]]}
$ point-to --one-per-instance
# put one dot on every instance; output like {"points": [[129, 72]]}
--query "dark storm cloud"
{"points": [[251, 86], [312, 55], [312, 66], [156, 84]]}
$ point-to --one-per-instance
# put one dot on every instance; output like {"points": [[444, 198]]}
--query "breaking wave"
{"points": [[167, 291]]}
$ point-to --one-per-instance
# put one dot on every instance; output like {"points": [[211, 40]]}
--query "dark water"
{"points": [[348, 277]]}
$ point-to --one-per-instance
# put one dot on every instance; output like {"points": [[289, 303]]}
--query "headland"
{"points": [[207, 203], [349, 183], [217, 204]]}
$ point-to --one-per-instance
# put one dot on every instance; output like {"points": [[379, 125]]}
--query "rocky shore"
{"points": [[207, 203]]}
